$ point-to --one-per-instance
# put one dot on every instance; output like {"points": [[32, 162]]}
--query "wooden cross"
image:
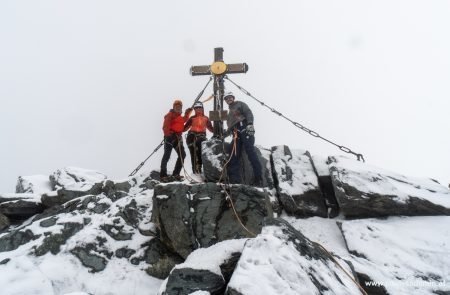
{"points": [[218, 69]]}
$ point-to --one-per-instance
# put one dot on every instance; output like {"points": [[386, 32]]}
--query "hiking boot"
{"points": [[177, 178], [165, 179]]}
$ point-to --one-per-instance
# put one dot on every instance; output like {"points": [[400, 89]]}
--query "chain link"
{"points": [[298, 125]]}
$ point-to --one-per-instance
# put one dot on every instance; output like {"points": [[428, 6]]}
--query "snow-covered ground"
{"points": [[405, 255], [25, 273]]}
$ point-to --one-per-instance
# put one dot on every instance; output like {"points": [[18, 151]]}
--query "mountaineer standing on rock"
{"points": [[173, 127], [240, 126], [197, 126]]}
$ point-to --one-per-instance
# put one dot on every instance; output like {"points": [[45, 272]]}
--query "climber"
{"points": [[240, 126], [197, 126], [173, 128]]}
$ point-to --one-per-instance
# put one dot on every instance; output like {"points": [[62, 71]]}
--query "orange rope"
{"points": [[235, 213], [340, 266]]}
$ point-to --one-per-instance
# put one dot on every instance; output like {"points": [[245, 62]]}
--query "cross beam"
{"points": [[218, 70]]}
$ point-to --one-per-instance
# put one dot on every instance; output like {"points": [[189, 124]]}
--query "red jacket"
{"points": [[174, 122], [198, 124]]}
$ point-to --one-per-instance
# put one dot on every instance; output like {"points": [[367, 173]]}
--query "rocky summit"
{"points": [[317, 225]]}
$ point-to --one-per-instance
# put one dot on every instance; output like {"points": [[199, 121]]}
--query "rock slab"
{"points": [[364, 191]]}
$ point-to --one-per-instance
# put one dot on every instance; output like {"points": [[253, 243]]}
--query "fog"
{"points": [[87, 83]]}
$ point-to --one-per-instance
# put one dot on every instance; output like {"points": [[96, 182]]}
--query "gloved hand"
{"points": [[250, 130], [188, 111]]}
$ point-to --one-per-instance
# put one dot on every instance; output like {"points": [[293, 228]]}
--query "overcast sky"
{"points": [[87, 83]]}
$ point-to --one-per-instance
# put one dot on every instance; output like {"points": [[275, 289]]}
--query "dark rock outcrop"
{"points": [[115, 190], [89, 259], [4, 222], [21, 209], [53, 241], [189, 217], [297, 183], [48, 222], [207, 270], [15, 239], [64, 195], [160, 259], [322, 169], [364, 191], [116, 232], [188, 280]]}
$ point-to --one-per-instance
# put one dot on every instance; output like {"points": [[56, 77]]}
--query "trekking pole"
{"points": [[142, 164]]}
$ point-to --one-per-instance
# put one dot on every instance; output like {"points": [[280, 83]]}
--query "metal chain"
{"points": [[298, 125]]}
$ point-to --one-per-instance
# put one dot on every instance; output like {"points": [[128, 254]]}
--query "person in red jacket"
{"points": [[173, 128], [197, 126]]}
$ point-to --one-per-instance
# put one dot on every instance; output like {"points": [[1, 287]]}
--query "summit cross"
{"points": [[218, 69]]}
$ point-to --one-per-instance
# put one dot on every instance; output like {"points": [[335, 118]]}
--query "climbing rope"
{"points": [[341, 267], [226, 186], [298, 125], [233, 151], [234, 211], [186, 174]]}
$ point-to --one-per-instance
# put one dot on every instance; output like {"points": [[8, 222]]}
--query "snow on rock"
{"points": [[322, 168], [37, 184], [321, 230], [405, 255], [321, 164], [8, 197], [281, 260], [78, 179], [298, 186], [367, 191], [97, 244], [265, 156], [71, 183], [213, 159], [206, 269]]}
